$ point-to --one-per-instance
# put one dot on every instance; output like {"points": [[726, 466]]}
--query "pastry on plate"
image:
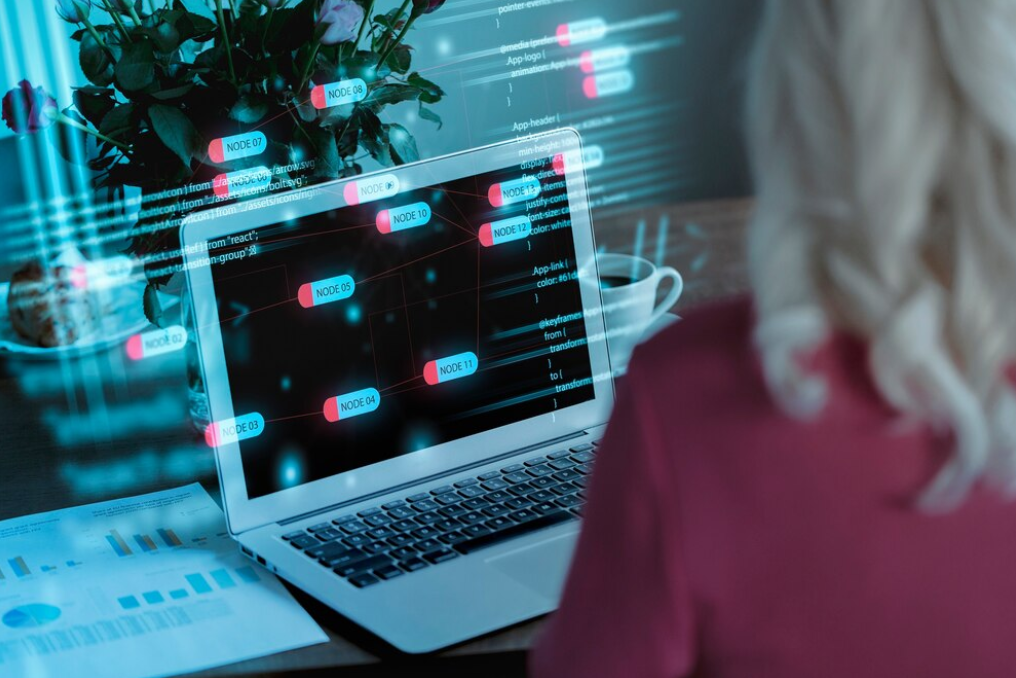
{"points": [[47, 308]]}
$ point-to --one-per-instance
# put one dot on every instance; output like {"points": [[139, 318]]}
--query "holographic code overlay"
{"points": [[358, 344]]}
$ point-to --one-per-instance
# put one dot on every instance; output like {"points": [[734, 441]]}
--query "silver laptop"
{"points": [[407, 380]]}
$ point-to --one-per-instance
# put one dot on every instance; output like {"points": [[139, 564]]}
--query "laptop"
{"points": [[408, 378]]}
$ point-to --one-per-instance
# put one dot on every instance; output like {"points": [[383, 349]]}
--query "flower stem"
{"points": [[71, 122], [268, 24], [225, 39], [116, 19], [398, 40], [366, 20], [98, 38], [307, 66], [134, 15]]}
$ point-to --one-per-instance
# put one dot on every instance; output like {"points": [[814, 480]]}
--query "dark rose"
{"points": [[426, 6], [341, 19], [27, 110]]}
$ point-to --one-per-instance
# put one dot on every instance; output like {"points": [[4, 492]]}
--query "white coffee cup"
{"points": [[628, 288]]}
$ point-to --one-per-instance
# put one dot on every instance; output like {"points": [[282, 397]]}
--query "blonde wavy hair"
{"points": [[883, 138]]}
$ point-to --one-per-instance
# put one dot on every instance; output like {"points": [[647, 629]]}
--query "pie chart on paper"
{"points": [[31, 616]]}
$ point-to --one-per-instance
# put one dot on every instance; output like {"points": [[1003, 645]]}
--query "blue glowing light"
{"points": [[431, 275], [354, 314], [291, 469], [286, 383]]}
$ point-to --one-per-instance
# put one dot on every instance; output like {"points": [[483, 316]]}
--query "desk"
{"points": [[65, 439]]}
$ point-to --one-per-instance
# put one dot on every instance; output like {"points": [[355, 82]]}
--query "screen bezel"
{"points": [[244, 513]]}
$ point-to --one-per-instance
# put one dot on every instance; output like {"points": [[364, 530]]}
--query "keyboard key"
{"points": [[447, 525], [489, 475], [400, 512], [566, 475], [425, 505], [494, 485], [545, 507], [344, 519], [517, 503], [304, 541], [499, 496], [453, 510], [439, 556], [477, 503], [521, 489], [380, 532], [444, 489], [429, 518], [354, 526], [561, 464], [376, 547], [472, 517], [584, 469], [522, 515], [513, 531], [363, 580], [542, 495], [541, 470], [344, 558], [587, 447], [517, 477], [446, 499], [495, 510], [325, 552], [398, 503], [568, 501], [427, 545], [496, 524], [329, 534], [356, 540], [422, 496], [378, 520], [292, 535], [535, 461], [543, 482], [388, 572], [563, 489], [466, 483], [596, 443], [559, 455], [400, 540], [403, 553], [514, 468], [583, 457], [425, 532], [412, 564], [371, 563], [403, 525], [452, 538], [480, 530], [471, 491], [319, 527], [366, 513]]}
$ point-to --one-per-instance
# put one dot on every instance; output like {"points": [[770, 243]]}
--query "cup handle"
{"points": [[675, 293]]}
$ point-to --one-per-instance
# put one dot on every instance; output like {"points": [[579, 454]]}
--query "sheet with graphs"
{"points": [[136, 588]]}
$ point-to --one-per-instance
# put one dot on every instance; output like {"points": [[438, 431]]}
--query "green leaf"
{"points": [[152, 305], [174, 92], [391, 94], [95, 63], [197, 8], [401, 59], [73, 144], [403, 144], [165, 36], [430, 116], [430, 93], [93, 103], [176, 132], [249, 109], [136, 69], [327, 155], [118, 121]]}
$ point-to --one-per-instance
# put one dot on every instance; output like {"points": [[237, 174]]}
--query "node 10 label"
{"points": [[351, 405], [404, 218]]}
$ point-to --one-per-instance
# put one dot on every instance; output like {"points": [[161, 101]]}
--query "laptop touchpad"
{"points": [[541, 567]]}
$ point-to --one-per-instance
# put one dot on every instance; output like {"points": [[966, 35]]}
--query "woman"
{"points": [[818, 483]]}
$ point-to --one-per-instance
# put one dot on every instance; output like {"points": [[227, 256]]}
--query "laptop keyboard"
{"points": [[428, 528]]}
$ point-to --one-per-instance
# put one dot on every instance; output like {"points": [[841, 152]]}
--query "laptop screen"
{"points": [[402, 320]]}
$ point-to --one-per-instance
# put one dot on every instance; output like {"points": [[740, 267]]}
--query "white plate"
{"points": [[127, 318]]}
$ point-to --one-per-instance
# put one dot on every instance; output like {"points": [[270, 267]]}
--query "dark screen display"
{"points": [[380, 329]]}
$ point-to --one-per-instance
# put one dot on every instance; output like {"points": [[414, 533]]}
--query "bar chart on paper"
{"points": [[142, 584]]}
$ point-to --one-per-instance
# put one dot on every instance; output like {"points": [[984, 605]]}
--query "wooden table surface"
{"points": [[86, 430]]}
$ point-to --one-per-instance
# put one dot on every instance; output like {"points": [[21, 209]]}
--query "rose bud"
{"points": [[73, 11], [426, 6], [341, 20], [27, 110]]}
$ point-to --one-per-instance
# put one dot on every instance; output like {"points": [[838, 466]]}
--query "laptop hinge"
{"points": [[436, 476]]}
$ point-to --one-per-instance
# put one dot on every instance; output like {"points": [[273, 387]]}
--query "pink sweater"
{"points": [[723, 539]]}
